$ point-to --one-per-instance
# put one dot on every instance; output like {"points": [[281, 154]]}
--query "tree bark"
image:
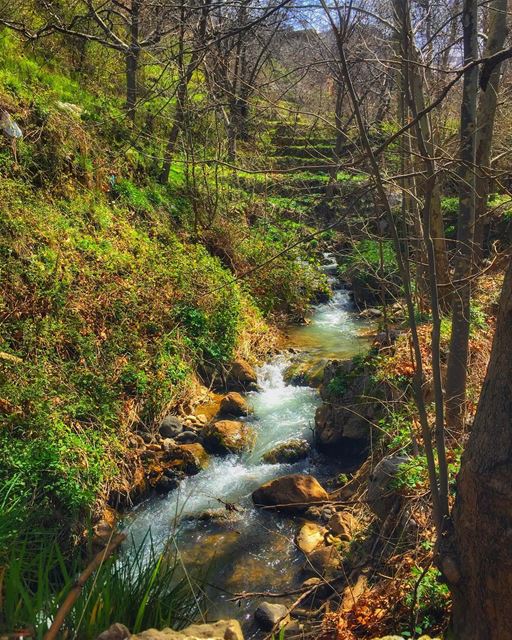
{"points": [[482, 515], [488, 99], [456, 375], [414, 90], [186, 73]]}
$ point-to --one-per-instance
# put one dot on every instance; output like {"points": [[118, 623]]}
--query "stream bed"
{"points": [[246, 549]]}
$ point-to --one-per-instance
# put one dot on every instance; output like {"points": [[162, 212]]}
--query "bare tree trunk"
{"points": [[341, 139], [496, 32], [456, 375], [438, 507], [414, 87], [132, 61], [179, 118], [483, 511], [186, 73]]}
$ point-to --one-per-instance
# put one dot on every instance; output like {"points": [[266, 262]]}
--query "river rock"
{"points": [[164, 484], [323, 561], [310, 536], [294, 492], [269, 614], [371, 313], [188, 458], [234, 405], [116, 631], [288, 452], [241, 376], [305, 374], [187, 437], [228, 436], [221, 630], [170, 427], [342, 525], [382, 496]]}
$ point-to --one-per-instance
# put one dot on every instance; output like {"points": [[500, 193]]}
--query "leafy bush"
{"points": [[411, 474], [432, 598]]}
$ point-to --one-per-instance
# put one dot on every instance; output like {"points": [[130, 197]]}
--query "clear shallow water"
{"points": [[253, 550]]}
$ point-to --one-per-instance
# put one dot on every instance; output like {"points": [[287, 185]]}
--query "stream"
{"points": [[248, 549]]}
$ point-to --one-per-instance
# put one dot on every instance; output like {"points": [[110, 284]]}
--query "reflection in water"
{"points": [[252, 550]]}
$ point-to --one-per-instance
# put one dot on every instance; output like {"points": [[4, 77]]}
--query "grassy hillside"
{"points": [[115, 290]]}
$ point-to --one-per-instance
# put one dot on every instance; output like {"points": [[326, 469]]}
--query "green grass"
{"points": [[141, 588], [106, 319]]}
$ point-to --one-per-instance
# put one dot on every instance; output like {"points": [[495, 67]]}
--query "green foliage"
{"points": [[502, 203], [363, 267], [132, 196], [397, 428], [341, 382], [450, 206], [102, 323], [290, 283], [338, 386], [140, 588], [411, 474], [432, 599], [478, 318]]}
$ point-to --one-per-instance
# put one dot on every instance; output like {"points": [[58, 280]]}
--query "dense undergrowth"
{"points": [[405, 592], [116, 290]]}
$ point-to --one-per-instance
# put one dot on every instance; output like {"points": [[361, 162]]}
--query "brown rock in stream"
{"points": [[233, 404], [228, 436], [241, 376], [189, 458], [310, 537], [290, 493]]}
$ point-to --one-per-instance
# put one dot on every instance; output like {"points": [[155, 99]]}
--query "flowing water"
{"points": [[253, 550]]}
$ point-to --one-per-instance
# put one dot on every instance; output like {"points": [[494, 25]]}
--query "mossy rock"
{"points": [[288, 452], [228, 436]]}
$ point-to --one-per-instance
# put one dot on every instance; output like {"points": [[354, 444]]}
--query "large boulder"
{"points": [[228, 436], [382, 496], [288, 452], [241, 376], [233, 404], [295, 492], [221, 630], [343, 423]]}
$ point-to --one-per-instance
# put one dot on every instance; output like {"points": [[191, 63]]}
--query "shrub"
{"points": [[432, 598]]}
